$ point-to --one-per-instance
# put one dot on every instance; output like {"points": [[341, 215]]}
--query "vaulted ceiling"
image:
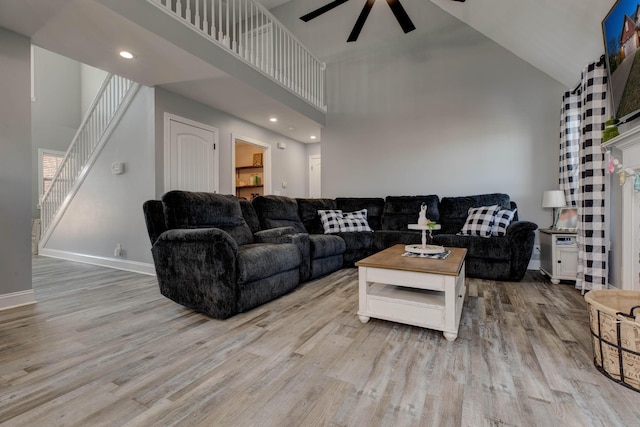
{"points": [[559, 37]]}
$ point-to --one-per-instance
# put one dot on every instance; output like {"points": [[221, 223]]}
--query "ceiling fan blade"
{"points": [[401, 16], [319, 11], [360, 21]]}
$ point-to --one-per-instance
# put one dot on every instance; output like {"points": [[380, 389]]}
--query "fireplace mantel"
{"points": [[629, 144]]}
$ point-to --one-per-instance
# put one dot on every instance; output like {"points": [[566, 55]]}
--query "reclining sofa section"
{"points": [[209, 259]]}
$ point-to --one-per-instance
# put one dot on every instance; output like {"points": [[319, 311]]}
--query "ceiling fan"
{"points": [[397, 9]]}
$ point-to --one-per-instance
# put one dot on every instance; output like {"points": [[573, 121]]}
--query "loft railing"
{"points": [[104, 113], [248, 30]]}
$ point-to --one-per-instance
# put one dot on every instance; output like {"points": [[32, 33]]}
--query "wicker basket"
{"points": [[615, 329]]}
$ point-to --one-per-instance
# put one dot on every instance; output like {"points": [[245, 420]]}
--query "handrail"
{"points": [[248, 30], [83, 123]]}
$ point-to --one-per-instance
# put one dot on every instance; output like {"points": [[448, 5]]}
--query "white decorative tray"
{"points": [[423, 227], [424, 249]]}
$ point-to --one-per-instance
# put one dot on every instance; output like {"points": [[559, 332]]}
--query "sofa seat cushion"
{"points": [[399, 211], [326, 245], [386, 238], [187, 209], [496, 248], [356, 240], [261, 260]]}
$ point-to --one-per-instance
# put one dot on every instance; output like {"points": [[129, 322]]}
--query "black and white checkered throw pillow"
{"points": [[502, 221], [480, 221], [330, 220], [355, 221]]}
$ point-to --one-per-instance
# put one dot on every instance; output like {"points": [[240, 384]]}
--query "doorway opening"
{"points": [[315, 173], [252, 161]]}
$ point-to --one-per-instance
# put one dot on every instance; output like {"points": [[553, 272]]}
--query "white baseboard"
{"points": [[17, 299], [119, 264], [534, 264]]}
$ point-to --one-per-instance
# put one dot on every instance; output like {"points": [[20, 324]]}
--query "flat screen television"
{"points": [[621, 32]]}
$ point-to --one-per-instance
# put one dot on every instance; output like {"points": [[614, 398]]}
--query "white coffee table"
{"points": [[417, 291]]}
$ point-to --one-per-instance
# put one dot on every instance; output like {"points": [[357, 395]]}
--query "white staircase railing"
{"points": [[248, 30], [111, 101]]}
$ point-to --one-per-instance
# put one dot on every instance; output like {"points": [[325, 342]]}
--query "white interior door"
{"points": [[191, 155], [315, 172]]}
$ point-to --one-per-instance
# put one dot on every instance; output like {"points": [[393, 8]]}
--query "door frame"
{"points": [[266, 162], [168, 117]]}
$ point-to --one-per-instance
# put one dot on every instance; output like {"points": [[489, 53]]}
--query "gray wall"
{"points": [[108, 208], [91, 79], [441, 110], [286, 165], [55, 113], [15, 163]]}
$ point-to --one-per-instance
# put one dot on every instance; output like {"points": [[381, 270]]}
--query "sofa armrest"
{"points": [[202, 235], [521, 237], [289, 235], [273, 234], [197, 268], [520, 229]]}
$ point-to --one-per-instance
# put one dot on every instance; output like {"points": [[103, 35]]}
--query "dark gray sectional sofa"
{"points": [[495, 258], [220, 255]]}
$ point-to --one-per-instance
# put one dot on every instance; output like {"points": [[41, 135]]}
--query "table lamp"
{"points": [[553, 199]]}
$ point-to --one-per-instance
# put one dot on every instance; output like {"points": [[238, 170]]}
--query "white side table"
{"points": [[558, 254]]}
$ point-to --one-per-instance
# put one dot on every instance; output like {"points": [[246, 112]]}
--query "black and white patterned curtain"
{"points": [[582, 171]]}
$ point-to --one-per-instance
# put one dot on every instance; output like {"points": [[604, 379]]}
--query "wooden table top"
{"points": [[392, 258]]}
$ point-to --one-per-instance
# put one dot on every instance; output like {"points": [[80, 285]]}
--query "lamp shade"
{"points": [[553, 199]]}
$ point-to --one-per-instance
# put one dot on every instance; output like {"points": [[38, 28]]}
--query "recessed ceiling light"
{"points": [[126, 54], [273, 119], [312, 137]]}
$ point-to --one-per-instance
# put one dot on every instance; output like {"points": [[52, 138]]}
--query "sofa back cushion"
{"points": [[454, 210], [186, 209], [154, 219], [278, 211], [250, 216], [399, 211], [373, 205], [308, 212]]}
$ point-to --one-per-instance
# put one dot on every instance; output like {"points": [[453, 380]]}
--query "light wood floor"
{"points": [[103, 347]]}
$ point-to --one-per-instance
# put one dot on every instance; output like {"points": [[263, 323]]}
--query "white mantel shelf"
{"points": [[625, 141], [629, 144]]}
